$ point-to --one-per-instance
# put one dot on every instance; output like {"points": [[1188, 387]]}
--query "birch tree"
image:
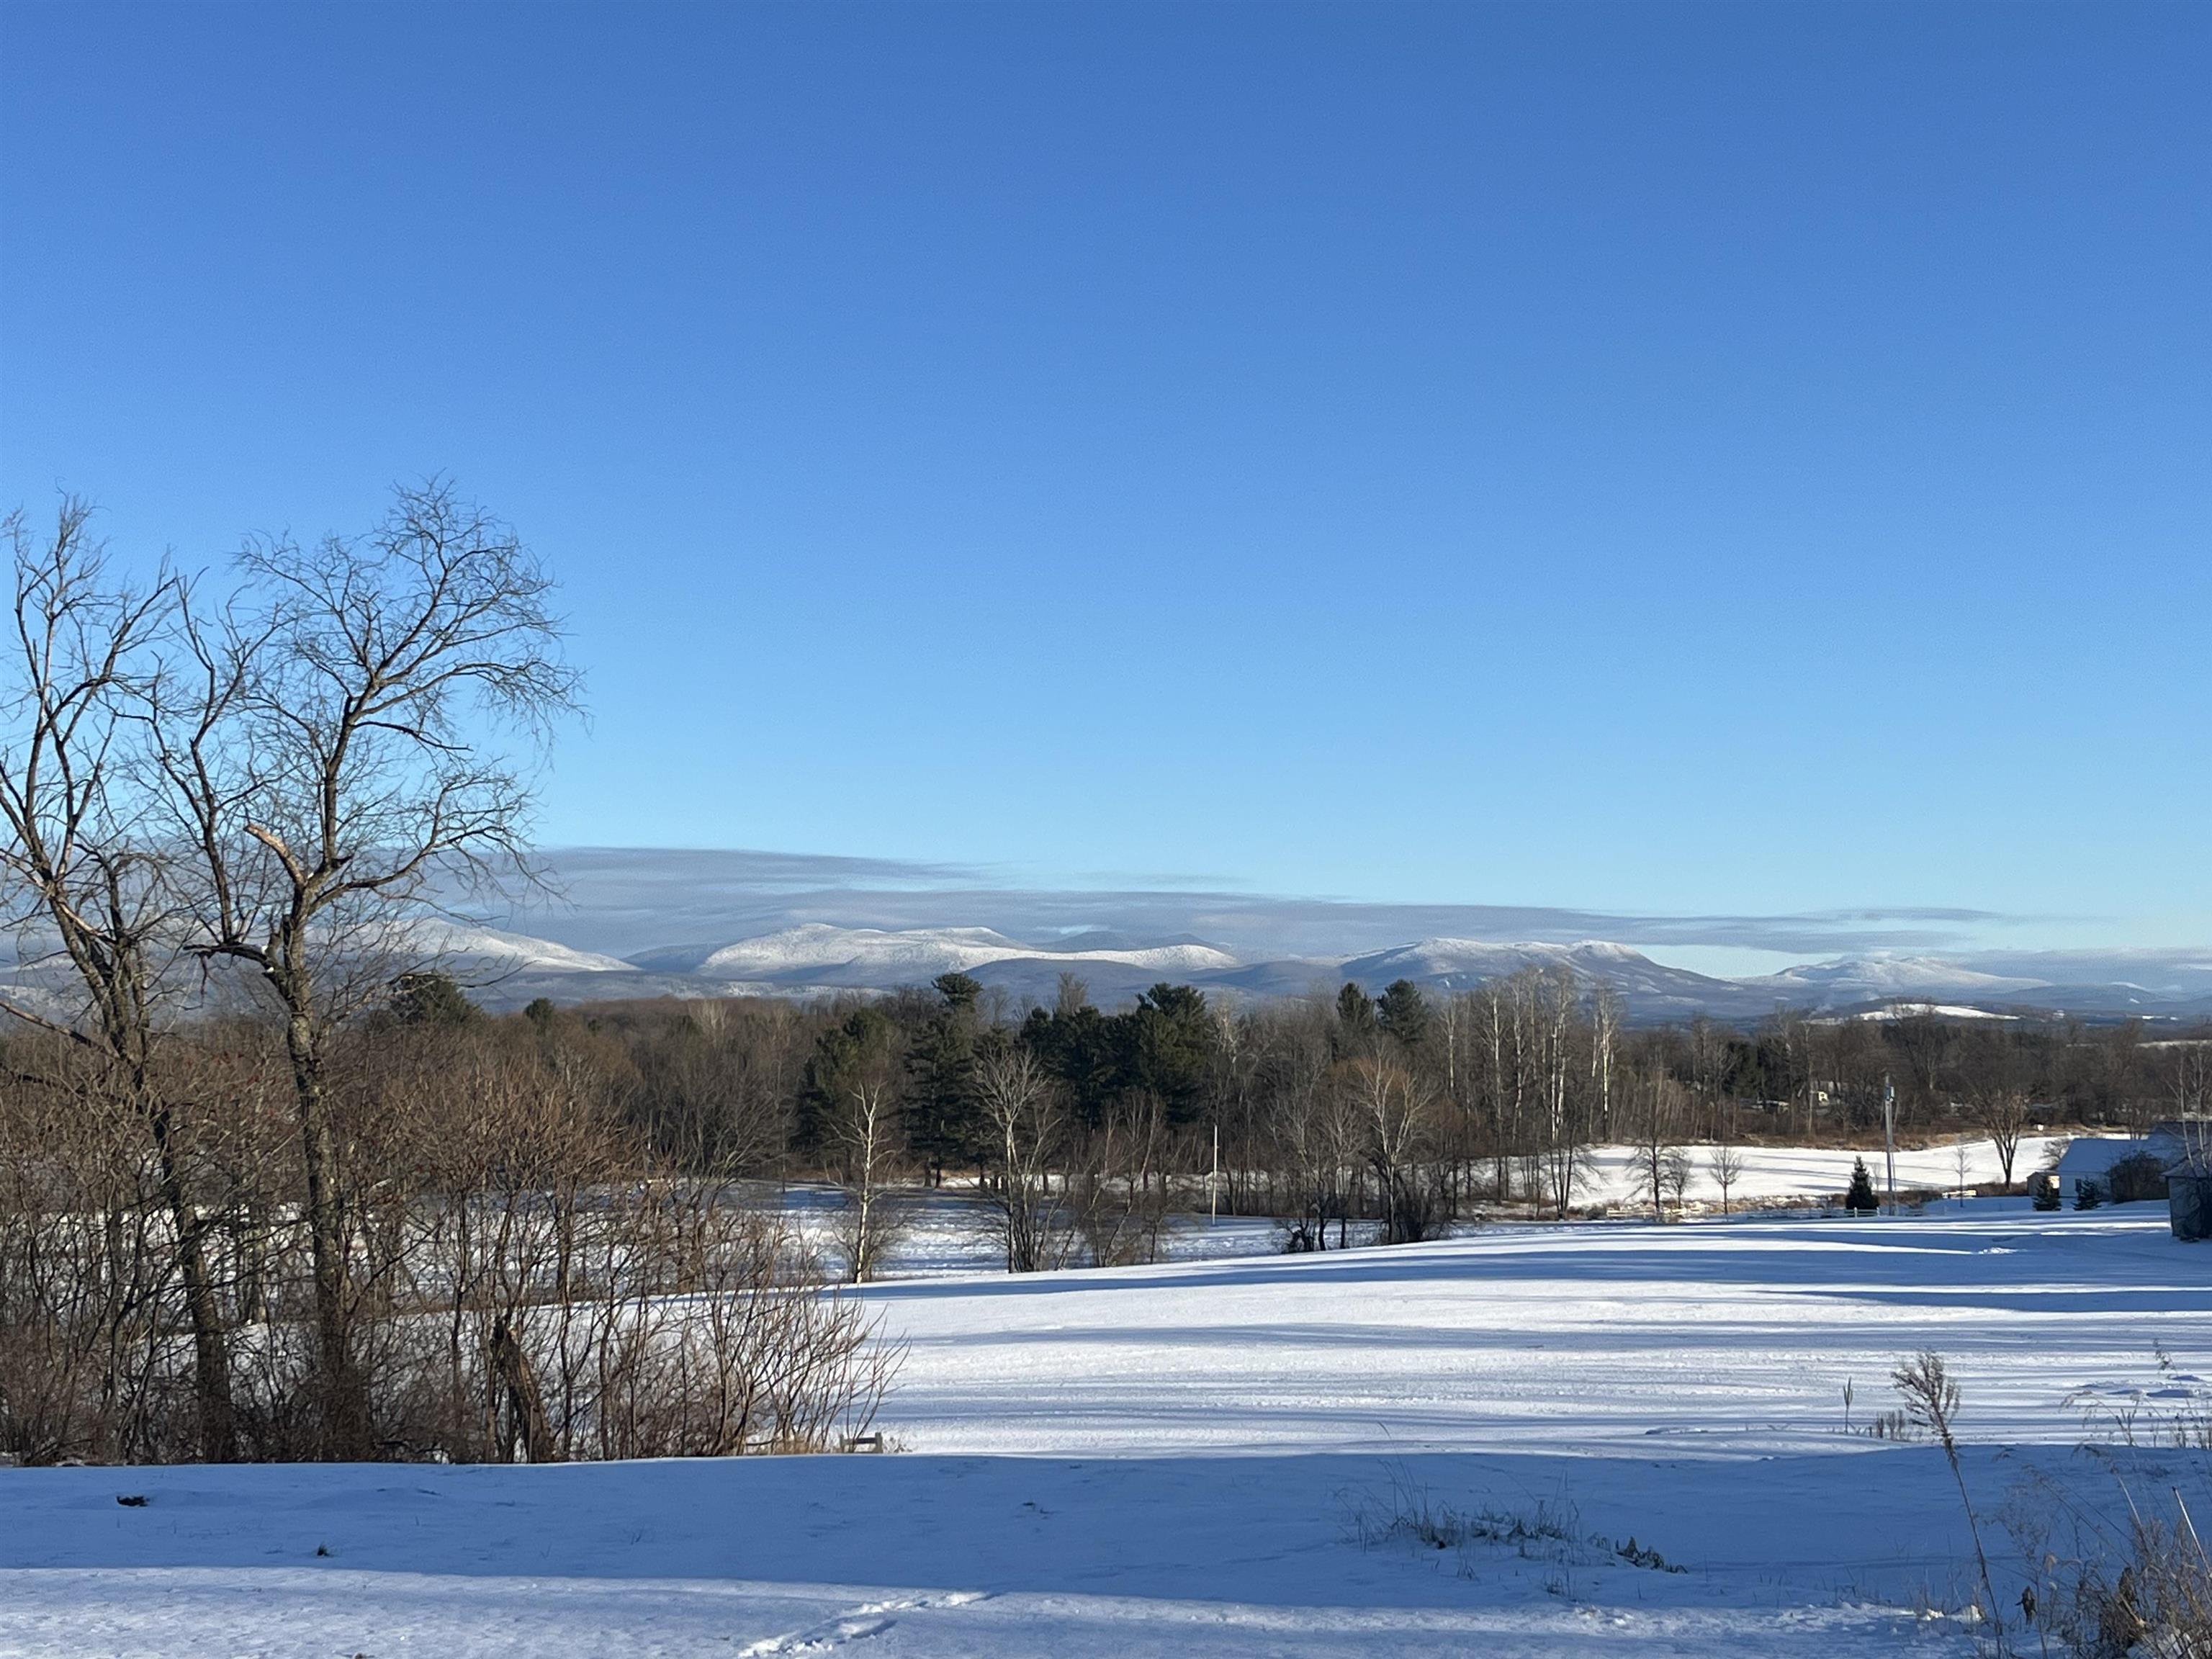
{"points": [[1029, 1129]]}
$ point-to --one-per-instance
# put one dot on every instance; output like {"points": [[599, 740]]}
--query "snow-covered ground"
{"points": [[1783, 1172], [1204, 1457], [949, 1232]]}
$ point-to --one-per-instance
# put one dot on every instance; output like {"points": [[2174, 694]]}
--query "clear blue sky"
{"points": [[1726, 457]]}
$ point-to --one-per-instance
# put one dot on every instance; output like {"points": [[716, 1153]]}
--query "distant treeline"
{"points": [[1321, 1105]]}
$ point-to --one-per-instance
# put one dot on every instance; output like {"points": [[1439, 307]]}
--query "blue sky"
{"points": [[1723, 459]]}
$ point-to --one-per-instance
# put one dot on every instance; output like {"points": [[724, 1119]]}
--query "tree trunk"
{"points": [[526, 1429], [211, 1351], [345, 1426]]}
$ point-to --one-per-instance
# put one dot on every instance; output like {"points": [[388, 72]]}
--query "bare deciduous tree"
{"points": [[864, 1140], [2002, 1116], [1725, 1164], [1660, 1159], [355, 733], [1396, 1109], [1030, 1133], [80, 856]]}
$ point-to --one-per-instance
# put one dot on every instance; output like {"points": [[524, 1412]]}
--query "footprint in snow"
{"points": [[870, 1619]]}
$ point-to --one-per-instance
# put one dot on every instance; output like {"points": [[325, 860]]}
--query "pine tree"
{"points": [[1167, 1048], [430, 997], [845, 1056], [1861, 1201], [1403, 1011], [1355, 1010], [945, 1116]]}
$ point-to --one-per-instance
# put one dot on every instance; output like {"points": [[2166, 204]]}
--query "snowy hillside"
{"points": [[1212, 1458], [877, 958], [1939, 1010], [1453, 965], [814, 956], [470, 944], [1852, 980]]}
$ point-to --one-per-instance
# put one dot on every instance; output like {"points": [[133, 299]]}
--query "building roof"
{"points": [[2094, 1154]]}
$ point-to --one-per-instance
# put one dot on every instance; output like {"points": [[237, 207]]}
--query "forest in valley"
{"points": [[1407, 1108]]}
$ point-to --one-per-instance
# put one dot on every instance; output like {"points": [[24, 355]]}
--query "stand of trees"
{"points": [[1396, 1113], [267, 1188]]}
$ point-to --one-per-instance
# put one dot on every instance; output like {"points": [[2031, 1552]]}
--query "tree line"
{"points": [[1406, 1111]]}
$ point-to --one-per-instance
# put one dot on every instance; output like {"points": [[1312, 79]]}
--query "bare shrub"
{"points": [[558, 1296], [2143, 1590], [527, 1282], [2159, 1602], [1120, 1193]]}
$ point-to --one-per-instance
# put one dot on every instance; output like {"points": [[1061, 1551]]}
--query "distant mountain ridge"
{"points": [[505, 968], [1650, 990], [875, 958], [820, 958], [1868, 979]]}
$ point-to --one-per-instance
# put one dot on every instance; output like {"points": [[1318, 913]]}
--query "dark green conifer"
{"points": [[1860, 1200]]}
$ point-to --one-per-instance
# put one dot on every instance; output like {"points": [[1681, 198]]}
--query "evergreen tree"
{"points": [[1861, 1201], [430, 997], [960, 991], [1355, 1010], [1079, 1046], [862, 1043], [1167, 1050], [1403, 1011], [945, 1114]]}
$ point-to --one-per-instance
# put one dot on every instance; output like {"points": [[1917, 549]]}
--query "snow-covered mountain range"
{"points": [[873, 958], [1866, 979], [607, 929], [506, 969]]}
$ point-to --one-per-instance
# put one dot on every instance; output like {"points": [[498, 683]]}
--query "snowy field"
{"points": [[1771, 1173], [1204, 1457], [950, 1233]]}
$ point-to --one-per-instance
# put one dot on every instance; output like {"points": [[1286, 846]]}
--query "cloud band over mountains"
{"points": [[624, 900]]}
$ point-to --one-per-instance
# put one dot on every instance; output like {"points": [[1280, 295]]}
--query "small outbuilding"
{"points": [[2089, 1161], [2188, 1198], [2095, 1161]]}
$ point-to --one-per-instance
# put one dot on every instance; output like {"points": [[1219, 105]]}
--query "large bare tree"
{"points": [[89, 883], [353, 738]]}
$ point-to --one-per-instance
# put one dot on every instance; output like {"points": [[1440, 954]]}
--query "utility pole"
{"points": [[1889, 1137]]}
